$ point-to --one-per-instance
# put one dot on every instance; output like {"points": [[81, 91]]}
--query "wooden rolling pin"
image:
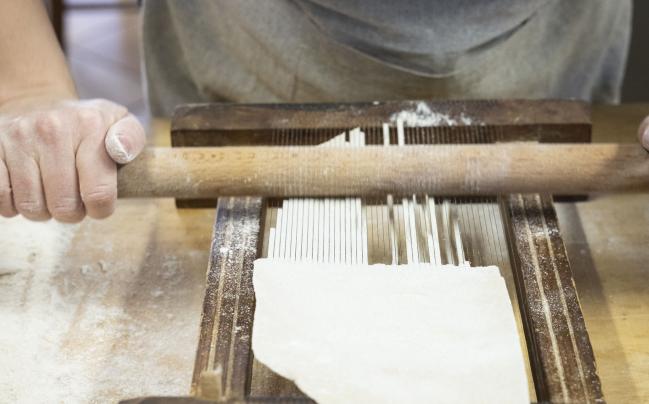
{"points": [[492, 169]]}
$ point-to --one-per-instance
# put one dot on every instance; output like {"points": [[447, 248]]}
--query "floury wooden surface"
{"points": [[606, 238]]}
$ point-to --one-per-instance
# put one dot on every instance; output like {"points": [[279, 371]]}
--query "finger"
{"points": [[60, 183], [125, 140], [27, 188], [97, 177], [6, 198], [643, 133]]}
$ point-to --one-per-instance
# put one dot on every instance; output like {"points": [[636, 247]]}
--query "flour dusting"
{"points": [[30, 251], [86, 320], [31, 244], [422, 115]]}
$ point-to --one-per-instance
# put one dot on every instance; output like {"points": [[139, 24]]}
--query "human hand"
{"points": [[643, 133], [59, 158]]}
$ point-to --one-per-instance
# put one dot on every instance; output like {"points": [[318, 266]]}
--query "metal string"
{"points": [[355, 230]]}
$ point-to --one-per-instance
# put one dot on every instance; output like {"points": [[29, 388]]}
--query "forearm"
{"points": [[32, 63]]}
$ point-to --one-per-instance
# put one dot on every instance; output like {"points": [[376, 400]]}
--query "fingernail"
{"points": [[117, 147]]}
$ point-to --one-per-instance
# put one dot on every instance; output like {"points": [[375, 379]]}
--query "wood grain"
{"points": [[561, 356], [223, 356], [549, 120], [487, 169]]}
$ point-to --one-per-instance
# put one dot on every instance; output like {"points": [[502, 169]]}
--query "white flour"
{"points": [[28, 252], [90, 331], [422, 115], [31, 244]]}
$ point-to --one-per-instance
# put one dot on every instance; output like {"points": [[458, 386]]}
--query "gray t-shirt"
{"points": [[353, 50]]}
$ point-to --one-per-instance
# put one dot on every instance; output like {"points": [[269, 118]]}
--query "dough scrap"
{"points": [[384, 334]]}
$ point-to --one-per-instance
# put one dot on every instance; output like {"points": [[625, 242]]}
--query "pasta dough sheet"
{"points": [[385, 334]]}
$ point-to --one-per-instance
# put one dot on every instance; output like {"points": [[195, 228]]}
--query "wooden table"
{"points": [[118, 310], [607, 239]]}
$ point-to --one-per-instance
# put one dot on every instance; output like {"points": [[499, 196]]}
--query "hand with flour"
{"points": [[58, 155], [58, 158]]}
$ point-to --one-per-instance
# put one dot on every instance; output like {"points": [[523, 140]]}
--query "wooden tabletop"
{"points": [[607, 238], [110, 309]]}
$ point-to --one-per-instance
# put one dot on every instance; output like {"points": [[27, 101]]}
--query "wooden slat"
{"points": [[547, 120], [561, 357], [223, 357]]}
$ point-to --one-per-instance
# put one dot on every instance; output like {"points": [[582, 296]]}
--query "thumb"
{"points": [[125, 139]]}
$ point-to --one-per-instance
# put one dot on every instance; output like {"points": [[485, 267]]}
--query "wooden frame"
{"points": [[561, 357]]}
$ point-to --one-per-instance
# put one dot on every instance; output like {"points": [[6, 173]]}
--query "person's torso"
{"points": [[424, 36], [348, 50]]}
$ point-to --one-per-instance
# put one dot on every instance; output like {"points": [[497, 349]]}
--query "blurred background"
{"points": [[101, 39], [636, 83]]}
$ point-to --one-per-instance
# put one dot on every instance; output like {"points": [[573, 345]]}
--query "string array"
{"points": [[409, 229]]}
